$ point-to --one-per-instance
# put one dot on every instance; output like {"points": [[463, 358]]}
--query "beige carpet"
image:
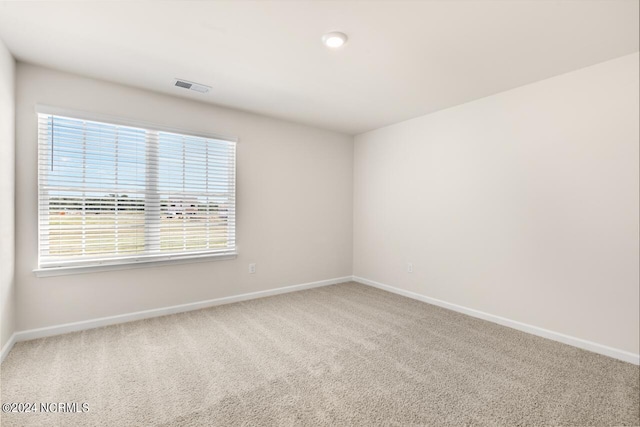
{"points": [[340, 355]]}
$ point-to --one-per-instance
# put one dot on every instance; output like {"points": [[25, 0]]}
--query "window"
{"points": [[114, 194]]}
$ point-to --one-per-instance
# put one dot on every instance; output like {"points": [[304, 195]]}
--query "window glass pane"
{"points": [[195, 180], [96, 176]]}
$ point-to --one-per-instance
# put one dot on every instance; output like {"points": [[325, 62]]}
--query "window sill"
{"points": [[82, 269]]}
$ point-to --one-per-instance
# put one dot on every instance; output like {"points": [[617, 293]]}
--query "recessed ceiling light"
{"points": [[334, 40]]}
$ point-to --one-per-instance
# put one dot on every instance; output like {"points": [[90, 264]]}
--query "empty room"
{"points": [[320, 213]]}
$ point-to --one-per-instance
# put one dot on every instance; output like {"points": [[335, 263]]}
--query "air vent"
{"points": [[192, 86], [183, 84]]}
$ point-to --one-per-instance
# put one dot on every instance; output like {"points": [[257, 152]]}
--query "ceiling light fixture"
{"points": [[334, 40]]}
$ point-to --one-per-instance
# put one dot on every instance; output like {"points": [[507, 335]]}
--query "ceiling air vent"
{"points": [[192, 86]]}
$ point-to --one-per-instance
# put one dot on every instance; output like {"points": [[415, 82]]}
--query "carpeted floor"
{"points": [[346, 354]]}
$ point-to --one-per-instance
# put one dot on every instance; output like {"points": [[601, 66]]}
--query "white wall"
{"points": [[7, 192], [522, 205], [294, 205]]}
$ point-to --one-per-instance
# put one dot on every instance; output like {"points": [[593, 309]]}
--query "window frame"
{"points": [[138, 260]]}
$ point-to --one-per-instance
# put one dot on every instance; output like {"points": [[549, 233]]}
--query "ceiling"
{"points": [[402, 60]]}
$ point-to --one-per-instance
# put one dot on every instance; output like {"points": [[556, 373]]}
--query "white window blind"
{"points": [[112, 194]]}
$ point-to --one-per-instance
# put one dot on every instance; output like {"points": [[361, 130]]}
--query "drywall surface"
{"points": [[294, 205], [7, 193], [522, 205]]}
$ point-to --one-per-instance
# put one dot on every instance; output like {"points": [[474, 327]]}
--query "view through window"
{"points": [[110, 193]]}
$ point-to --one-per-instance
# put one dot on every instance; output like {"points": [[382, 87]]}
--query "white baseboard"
{"points": [[534, 330], [129, 317], [6, 348]]}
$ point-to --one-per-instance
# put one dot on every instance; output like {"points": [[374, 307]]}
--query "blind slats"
{"points": [[109, 192]]}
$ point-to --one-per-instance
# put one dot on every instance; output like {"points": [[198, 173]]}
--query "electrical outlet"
{"points": [[409, 267], [252, 268]]}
